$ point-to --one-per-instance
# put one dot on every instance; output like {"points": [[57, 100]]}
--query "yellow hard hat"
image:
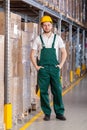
{"points": [[46, 19]]}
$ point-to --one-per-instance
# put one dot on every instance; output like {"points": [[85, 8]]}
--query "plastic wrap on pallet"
{"points": [[74, 9], [13, 57], [26, 96], [80, 11], [73, 57], [56, 5], [24, 73], [66, 67], [30, 27], [1, 102], [2, 22], [70, 8], [1, 57], [77, 10], [61, 6], [78, 49], [33, 78], [1, 81], [19, 98], [15, 24], [14, 83]]}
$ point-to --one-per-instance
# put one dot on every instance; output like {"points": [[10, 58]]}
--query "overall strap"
{"points": [[42, 41], [54, 40]]}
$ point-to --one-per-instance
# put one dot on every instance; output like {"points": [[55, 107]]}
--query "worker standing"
{"points": [[48, 68]]}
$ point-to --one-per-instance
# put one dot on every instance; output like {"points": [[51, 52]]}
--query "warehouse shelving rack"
{"points": [[31, 10]]}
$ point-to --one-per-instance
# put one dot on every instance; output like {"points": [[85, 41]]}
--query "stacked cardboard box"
{"points": [[2, 23], [66, 67], [73, 9], [80, 11], [31, 29], [19, 62], [15, 36], [24, 70], [44, 2], [56, 5]]}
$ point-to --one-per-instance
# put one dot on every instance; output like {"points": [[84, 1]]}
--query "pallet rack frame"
{"points": [[59, 18]]}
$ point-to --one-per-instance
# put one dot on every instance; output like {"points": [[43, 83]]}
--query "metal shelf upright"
{"points": [[7, 103]]}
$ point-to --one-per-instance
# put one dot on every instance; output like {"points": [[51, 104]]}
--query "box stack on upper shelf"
{"points": [[72, 9]]}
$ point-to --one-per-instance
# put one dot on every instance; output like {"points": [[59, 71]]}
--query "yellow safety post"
{"points": [[78, 71], [38, 93], [83, 67], [61, 79], [8, 116], [71, 76]]}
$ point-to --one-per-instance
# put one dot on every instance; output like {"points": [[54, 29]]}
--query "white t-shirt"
{"points": [[37, 44]]}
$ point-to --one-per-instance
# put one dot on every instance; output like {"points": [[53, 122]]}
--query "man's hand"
{"points": [[59, 66], [39, 67]]}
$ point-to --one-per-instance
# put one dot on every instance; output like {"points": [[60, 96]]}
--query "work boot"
{"points": [[46, 117], [61, 117]]}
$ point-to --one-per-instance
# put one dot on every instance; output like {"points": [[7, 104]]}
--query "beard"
{"points": [[47, 31]]}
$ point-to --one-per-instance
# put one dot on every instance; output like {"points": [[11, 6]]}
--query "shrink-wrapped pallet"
{"points": [[24, 71], [77, 10], [70, 8], [14, 98], [2, 82], [32, 31], [61, 6], [56, 5], [66, 68], [15, 25], [74, 9], [2, 23], [80, 11]]}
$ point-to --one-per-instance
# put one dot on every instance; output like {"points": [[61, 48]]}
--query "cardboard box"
{"points": [[30, 27], [2, 23], [15, 25], [13, 58], [1, 101], [2, 57]]}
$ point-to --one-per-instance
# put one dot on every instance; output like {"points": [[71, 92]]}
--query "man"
{"points": [[49, 67]]}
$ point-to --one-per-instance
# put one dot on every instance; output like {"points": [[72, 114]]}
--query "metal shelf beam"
{"points": [[53, 13]]}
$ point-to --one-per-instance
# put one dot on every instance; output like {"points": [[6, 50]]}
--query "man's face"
{"points": [[47, 27]]}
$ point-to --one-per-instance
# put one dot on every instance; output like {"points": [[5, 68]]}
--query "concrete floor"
{"points": [[75, 111]]}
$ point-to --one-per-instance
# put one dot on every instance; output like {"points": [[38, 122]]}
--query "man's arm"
{"points": [[33, 59], [63, 58]]}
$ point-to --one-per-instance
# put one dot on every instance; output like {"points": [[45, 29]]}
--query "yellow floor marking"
{"points": [[40, 113], [31, 121]]}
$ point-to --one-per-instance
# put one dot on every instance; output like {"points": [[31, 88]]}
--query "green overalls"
{"points": [[50, 75]]}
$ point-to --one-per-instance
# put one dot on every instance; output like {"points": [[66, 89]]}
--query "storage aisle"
{"points": [[76, 111]]}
